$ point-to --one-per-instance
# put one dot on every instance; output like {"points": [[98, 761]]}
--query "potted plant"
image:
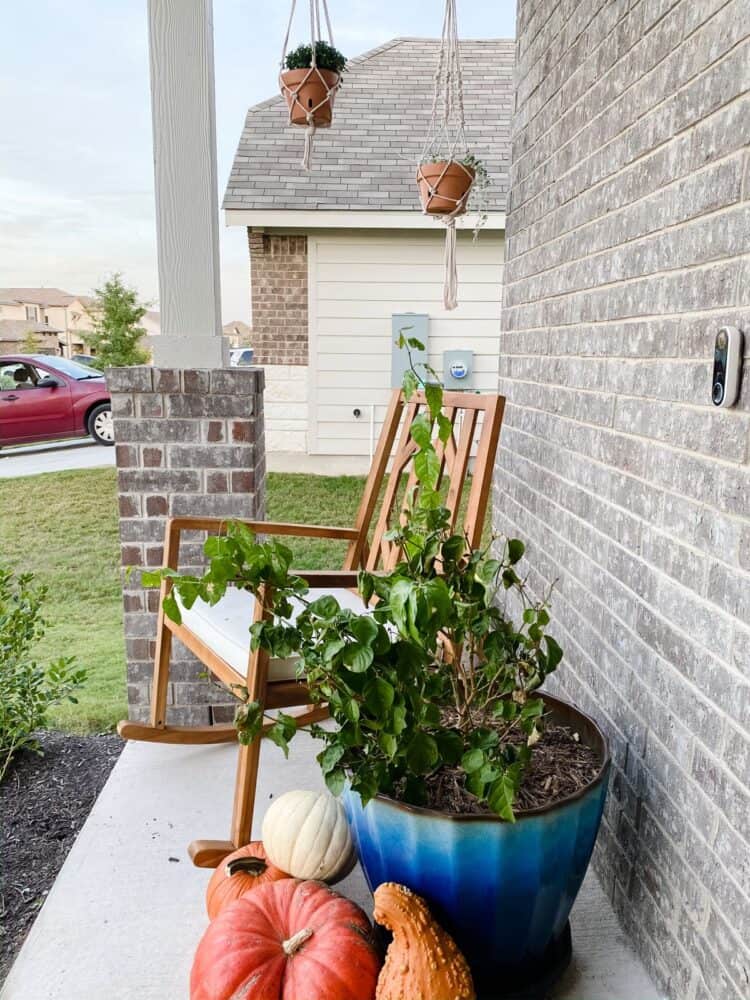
{"points": [[310, 90], [460, 780]]}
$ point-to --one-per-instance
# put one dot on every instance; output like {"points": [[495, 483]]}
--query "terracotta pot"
{"points": [[450, 189], [312, 95]]}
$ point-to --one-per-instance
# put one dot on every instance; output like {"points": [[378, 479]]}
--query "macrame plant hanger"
{"points": [[446, 141], [296, 106]]}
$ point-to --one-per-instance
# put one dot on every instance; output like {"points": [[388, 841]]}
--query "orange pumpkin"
{"points": [[287, 940], [240, 872], [423, 961]]}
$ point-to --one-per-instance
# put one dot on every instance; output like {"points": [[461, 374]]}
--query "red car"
{"points": [[43, 398]]}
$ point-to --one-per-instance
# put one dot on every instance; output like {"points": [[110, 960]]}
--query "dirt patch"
{"points": [[44, 802], [561, 765]]}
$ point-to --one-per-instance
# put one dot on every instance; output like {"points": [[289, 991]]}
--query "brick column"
{"points": [[279, 295], [189, 442]]}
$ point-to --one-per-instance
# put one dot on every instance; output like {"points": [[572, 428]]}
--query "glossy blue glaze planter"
{"points": [[503, 890]]}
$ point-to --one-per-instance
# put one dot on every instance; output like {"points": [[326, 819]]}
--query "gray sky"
{"points": [[76, 181]]}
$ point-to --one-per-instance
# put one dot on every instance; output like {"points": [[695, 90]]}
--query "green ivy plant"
{"points": [[27, 690], [326, 57], [435, 675]]}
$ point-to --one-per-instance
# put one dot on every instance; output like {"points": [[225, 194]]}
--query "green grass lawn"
{"points": [[63, 527]]}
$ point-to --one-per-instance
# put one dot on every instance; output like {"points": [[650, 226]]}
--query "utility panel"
{"points": [[410, 325], [458, 369]]}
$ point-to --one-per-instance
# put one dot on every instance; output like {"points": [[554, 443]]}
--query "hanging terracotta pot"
{"points": [[444, 186], [309, 91]]}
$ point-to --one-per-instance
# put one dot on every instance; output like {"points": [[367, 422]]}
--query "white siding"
{"points": [[357, 281]]}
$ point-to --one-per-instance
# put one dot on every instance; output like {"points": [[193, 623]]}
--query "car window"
{"points": [[73, 370], [19, 375]]}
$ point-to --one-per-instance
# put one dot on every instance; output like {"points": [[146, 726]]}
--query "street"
{"points": [[57, 456]]}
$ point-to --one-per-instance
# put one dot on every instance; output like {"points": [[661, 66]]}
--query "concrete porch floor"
{"points": [[126, 912]]}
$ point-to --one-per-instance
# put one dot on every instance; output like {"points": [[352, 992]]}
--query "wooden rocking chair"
{"points": [[219, 635]]}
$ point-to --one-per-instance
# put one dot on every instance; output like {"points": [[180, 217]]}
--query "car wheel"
{"points": [[100, 424]]}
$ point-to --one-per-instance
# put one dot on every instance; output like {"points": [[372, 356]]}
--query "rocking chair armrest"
{"points": [[220, 524]]}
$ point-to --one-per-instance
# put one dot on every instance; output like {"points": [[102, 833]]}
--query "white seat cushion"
{"points": [[224, 627]]}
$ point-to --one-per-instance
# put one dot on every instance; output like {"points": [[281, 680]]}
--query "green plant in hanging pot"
{"points": [[445, 185], [448, 174], [453, 186], [309, 90]]}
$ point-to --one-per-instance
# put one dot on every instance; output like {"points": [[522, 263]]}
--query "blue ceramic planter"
{"points": [[503, 890]]}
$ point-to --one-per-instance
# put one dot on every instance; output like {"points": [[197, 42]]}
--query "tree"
{"points": [[30, 343], [116, 314]]}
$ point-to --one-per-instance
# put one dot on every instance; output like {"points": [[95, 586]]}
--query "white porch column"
{"points": [[187, 214]]}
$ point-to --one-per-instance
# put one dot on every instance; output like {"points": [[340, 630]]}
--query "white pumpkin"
{"points": [[306, 834]]}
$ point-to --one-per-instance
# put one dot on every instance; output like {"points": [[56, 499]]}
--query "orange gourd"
{"points": [[422, 962], [240, 872]]}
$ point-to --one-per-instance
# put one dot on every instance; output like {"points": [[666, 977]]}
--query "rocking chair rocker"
{"points": [[219, 635]]}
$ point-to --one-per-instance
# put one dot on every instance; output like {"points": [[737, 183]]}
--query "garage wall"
{"points": [[356, 282]]}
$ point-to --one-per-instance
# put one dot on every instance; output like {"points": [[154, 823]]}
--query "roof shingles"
{"points": [[366, 161]]}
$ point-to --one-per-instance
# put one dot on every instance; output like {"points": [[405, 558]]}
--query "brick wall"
{"points": [[189, 442], [278, 267], [628, 246]]}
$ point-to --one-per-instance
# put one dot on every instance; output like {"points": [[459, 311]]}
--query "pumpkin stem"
{"points": [[250, 865], [293, 944]]}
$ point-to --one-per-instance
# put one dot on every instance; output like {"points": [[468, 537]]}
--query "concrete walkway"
{"points": [[30, 460], [126, 912]]}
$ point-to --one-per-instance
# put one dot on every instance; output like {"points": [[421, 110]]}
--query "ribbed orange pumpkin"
{"points": [[287, 940], [240, 872], [422, 962]]}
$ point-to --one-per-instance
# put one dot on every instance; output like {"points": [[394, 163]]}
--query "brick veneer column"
{"points": [[279, 296], [188, 442]]}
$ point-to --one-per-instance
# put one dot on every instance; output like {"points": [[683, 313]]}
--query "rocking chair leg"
{"points": [[161, 674], [244, 793]]}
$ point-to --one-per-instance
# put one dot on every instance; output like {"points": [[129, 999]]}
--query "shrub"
{"points": [[27, 690], [326, 57]]}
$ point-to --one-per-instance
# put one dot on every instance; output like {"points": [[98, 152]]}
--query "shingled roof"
{"points": [[18, 329], [36, 296], [366, 160]]}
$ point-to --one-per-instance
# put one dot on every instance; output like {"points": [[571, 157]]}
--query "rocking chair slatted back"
{"points": [[463, 411]]}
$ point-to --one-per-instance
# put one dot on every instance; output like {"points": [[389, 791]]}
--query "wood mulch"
{"points": [[44, 802], [560, 766]]}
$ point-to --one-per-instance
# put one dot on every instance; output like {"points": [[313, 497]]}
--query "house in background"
{"points": [[81, 322], [238, 333], [15, 335], [337, 253], [59, 320], [41, 311]]}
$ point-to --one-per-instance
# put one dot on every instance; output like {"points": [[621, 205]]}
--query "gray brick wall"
{"points": [[628, 246], [189, 442]]}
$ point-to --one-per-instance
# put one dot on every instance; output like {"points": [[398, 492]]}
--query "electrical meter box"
{"points": [[410, 325], [458, 369]]}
